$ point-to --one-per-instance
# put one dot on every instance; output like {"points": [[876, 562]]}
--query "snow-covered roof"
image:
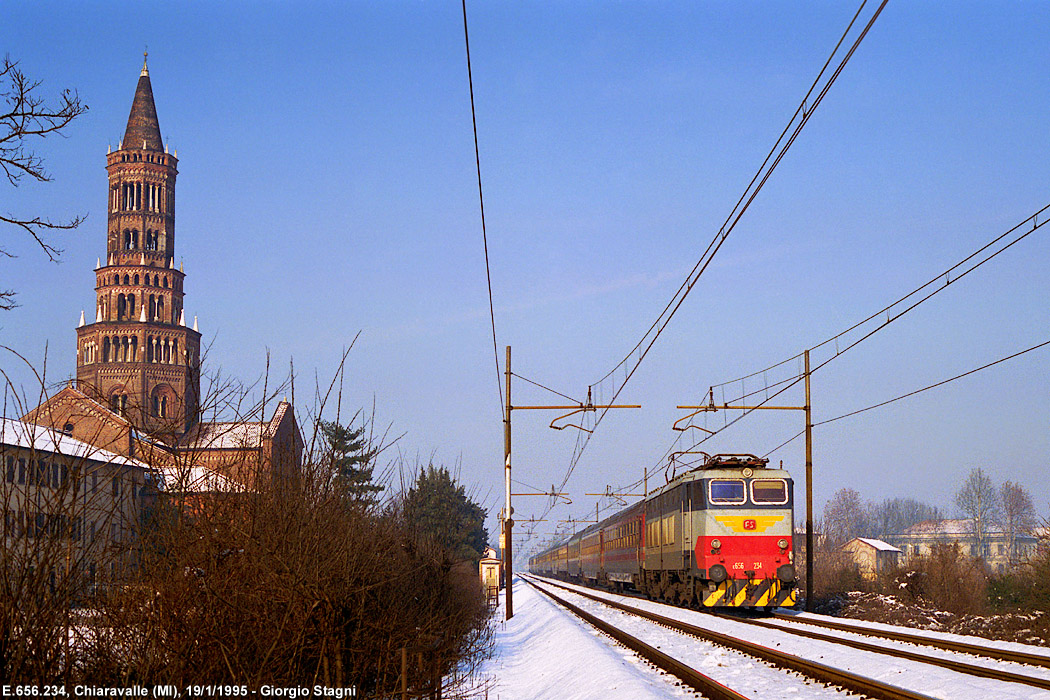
{"points": [[212, 436], [878, 544], [237, 435], [194, 480], [962, 526], [42, 439]]}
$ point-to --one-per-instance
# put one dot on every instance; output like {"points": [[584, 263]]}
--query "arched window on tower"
{"points": [[122, 307], [134, 349], [149, 348], [160, 310], [127, 239], [152, 307], [105, 349], [131, 307], [127, 280], [136, 279]]}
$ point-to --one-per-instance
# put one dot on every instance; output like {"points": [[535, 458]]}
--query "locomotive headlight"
{"points": [[716, 544], [782, 543]]}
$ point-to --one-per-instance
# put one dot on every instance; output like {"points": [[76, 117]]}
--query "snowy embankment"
{"points": [[546, 652]]}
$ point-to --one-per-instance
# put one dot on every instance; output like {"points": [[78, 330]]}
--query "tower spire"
{"points": [[143, 130]]}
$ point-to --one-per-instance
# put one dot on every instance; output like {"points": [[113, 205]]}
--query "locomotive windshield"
{"points": [[769, 491], [727, 491]]}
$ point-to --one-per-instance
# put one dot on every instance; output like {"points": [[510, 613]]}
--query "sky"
{"points": [[327, 188]]}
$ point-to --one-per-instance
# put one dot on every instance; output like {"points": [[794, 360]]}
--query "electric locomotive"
{"points": [[718, 535]]}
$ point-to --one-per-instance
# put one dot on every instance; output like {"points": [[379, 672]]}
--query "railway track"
{"points": [[810, 669], [959, 666], [836, 676], [1019, 657]]}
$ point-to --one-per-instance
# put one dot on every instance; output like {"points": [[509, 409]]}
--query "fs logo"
{"points": [[757, 524]]}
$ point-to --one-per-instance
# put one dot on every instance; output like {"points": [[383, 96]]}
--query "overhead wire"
{"points": [[545, 388], [911, 393], [799, 119], [481, 199], [946, 275]]}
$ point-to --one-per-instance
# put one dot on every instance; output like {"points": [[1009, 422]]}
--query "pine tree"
{"points": [[350, 459], [440, 508]]}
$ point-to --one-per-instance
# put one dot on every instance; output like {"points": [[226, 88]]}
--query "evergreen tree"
{"points": [[440, 508], [350, 458]]}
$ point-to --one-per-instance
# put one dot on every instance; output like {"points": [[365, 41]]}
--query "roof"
{"points": [[143, 130], [212, 436], [962, 526], [194, 480], [878, 544], [240, 435], [36, 437]]}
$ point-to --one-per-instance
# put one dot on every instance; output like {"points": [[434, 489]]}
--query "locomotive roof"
{"points": [[715, 468]]}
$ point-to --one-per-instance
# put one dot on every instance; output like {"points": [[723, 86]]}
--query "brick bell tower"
{"points": [[138, 356]]}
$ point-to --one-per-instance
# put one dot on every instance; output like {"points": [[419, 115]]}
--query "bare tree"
{"points": [[1017, 515], [979, 500], [845, 517], [26, 114], [895, 515]]}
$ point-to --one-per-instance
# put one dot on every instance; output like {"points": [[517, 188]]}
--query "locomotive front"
{"points": [[721, 535], [744, 536]]}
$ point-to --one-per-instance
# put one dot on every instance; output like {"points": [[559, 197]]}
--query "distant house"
{"points": [[997, 548], [872, 557]]}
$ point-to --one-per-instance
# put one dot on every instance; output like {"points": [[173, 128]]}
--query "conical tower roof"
{"points": [[143, 128]]}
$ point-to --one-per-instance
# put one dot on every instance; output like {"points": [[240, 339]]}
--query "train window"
{"points": [[726, 491], [769, 491]]}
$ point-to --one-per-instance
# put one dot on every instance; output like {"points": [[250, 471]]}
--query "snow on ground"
{"points": [[932, 681], [987, 643], [545, 652]]}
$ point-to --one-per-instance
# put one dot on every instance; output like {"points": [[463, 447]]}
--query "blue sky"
{"points": [[327, 186]]}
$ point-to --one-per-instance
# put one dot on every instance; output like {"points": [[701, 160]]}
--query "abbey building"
{"points": [[138, 364]]}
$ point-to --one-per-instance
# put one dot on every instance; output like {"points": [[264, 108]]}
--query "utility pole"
{"points": [[508, 522], [808, 411], [809, 494]]}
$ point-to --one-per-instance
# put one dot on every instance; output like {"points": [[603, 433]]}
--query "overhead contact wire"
{"points": [[481, 200], [734, 217]]}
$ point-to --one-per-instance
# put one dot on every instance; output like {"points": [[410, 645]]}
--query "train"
{"points": [[716, 536]]}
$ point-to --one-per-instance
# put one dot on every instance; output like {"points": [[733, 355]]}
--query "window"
{"points": [[726, 491], [10, 470], [769, 491]]}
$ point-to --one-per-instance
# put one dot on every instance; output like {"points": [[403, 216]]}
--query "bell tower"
{"points": [[138, 356]]}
